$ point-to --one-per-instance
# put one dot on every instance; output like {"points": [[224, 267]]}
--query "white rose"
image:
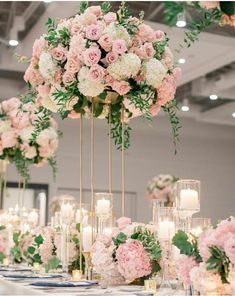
{"points": [[30, 153], [46, 65], [26, 134]]}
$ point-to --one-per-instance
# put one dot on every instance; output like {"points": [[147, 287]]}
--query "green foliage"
{"points": [[2, 227], [116, 134], [2, 256], [53, 263], [220, 262], [124, 19], [15, 250], [172, 10], [159, 47], [120, 239], [39, 240], [31, 250], [105, 7], [227, 7], [76, 264], [55, 37], [37, 258], [171, 108], [187, 247], [83, 6]]}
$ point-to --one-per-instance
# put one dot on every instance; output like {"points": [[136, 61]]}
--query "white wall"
{"points": [[205, 152]]}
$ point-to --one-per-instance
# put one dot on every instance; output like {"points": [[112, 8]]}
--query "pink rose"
{"points": [[154, 109], [136, 42], [177, 73], [73, 64], [111, 57], [96, 10], [159, 35], [123, 221], [38, 47], [68, 77], [110, 17], [229, 248], [46, 151], [76, 28], [146, 33], [30, 152], [132, 260], [57, 76], [33, 76], [93, 32], [43, 90], [105, 42], [59, 53], [10, 104], [119, 46], [9, 139], [19, 119], [209, 4], [167, 58], [109, 79], [121, 87], [74, 115], [41, 164], [71, 103], [96, 73], [91, 56], [166, 91], [148, 50]]}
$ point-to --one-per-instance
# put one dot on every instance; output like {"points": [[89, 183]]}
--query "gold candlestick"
{"points": [[88, 265], [6, 262], [76, 275]]}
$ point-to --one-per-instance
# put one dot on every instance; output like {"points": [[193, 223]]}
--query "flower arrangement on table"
{"points": [[208, 261], [109, 64], [36, 248], [130, 253], [19, 143], [206, 13], [161, 188], [2, 244]]}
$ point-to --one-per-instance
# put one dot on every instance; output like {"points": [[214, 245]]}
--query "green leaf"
{"points": [[37, 258], [135, 235], [39, 239], [83, 6], [105, 7], [78, 227], [103, 95], [227, 7], [180, 240], [53, 263], [16, 236], [2, 256], [31, 250]]}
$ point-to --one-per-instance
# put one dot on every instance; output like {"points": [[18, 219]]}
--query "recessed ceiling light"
{"points": [[13, 42], [213, 97], [233, 114], [181, 61], [181, 23], [185, 108]]}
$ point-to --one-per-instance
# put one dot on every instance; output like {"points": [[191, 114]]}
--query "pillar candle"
{"points": [[103, 207], [87, 238], [166, 230], [189, 199]]}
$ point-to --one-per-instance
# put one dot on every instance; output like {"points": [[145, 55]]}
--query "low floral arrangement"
{"points": [[210, 256], [2, 244], [130, 253], [161, 188], [109, 64], [204, 14], [19, 143], [36, 248]]}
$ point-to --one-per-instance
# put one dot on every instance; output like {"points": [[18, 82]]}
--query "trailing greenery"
{"points": [[15, 250]]}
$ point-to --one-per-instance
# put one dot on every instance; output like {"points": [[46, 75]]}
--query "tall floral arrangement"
{"points": [[19, 143], [131, 252], [210, 256], [161, 188], [109, 64]]}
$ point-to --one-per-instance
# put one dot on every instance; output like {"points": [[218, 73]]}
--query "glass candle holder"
{"points": [[67, 209], [197, 225], [103, 205], [82, 215], [166, 223], [33, 218], [188, 197]]}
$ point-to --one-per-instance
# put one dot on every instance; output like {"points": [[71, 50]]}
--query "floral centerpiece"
{"points": [[211, 256], [19, 143], [109, 64], [2, 244], [131, 252], [161, 188]]}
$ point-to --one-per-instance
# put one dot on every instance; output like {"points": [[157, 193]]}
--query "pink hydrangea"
{"points": [[229, 248], [38, 47], [133, 261], [45, 250], [9, 139], [154, 109], [123, 221], [166, 91], [185, 265], [206, 240]]}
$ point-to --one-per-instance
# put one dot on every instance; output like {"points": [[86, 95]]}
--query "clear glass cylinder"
{"points": [[33, 217], [103, 205], [67, 209], [188, 197], [82, 214], [197, 225], [166, 224]]}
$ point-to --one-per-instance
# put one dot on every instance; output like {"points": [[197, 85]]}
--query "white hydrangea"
{"points": [[46, 65], [46, 135], [118, 32], [88, 87], [26, 134], [5, 126], [128, 65], [154, 72]]}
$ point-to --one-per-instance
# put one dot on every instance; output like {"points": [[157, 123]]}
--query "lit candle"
{"points": [[33, 217], [166, 230], [150, 285], [6, 262], [103, 207], [189, 199], [42, 208], [67, 212], [76, 275], [87, 238], [107, 231], [196, 231], [36, 266], [84, 215]]}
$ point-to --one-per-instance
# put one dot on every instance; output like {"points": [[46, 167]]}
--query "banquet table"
{"points": [[21, 287]]}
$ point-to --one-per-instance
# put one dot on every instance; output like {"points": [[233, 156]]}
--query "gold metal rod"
{"points": [[92, 173], [5, 184], [123, 164], [19, 193], [81, 181], [110, 155], [23, 191]]}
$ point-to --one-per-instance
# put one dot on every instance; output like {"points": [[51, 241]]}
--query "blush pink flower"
{"points": [[159, 35], [91, 56], [111, 57], [96, 10], [121, 87], [19, 119], [136, 42], [123, 221], [185, 265], [148, 50], [25, 242], [33, 76], [74, 115], [68, 77], [73, 64], [45, 250], [9, 139], [154, 109], [133, 261], [10, 104], [209, 4], [110, 17], [43, 90], [109, 79], [206, 240], [135, 111], [96, 73], [229, 248], [38, 47], [167, 58], [105, 42], [119, 46], [93, 32], [59, 53], [166, 91], [177, 73], [146, 33], [2, 247], [76, 28]]}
